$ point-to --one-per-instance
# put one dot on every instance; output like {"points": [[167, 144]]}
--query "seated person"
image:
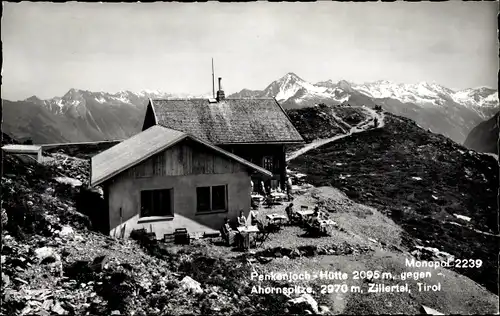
{"points": [[226, 228], [228, 233], [252, 218], [322, 215], [254, 204], [314, 220], [242, 221]]}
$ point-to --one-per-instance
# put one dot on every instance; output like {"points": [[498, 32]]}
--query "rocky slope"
{"points": [[484, 137], [53, 263], [324, 121], [426, 183]]}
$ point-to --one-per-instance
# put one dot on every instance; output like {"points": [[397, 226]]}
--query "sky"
{"points": [[49, 48]]}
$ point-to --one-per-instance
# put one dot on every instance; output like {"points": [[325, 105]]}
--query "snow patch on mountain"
{"points": [[421, 93], [100, 100], [476, 97], [121, 98], [292, 89]]}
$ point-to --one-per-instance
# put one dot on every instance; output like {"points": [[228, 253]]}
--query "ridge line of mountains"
{"points": [[82, 115]]}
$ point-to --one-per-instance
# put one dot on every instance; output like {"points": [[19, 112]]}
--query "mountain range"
{"points": [[432, 106], [82, 115], [78, 116]]}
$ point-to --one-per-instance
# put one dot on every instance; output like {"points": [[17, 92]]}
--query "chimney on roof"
{"points": [[220, 92]]}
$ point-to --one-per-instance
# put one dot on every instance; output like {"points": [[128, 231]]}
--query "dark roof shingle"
{"points": [[139, 147], [228, 121]]}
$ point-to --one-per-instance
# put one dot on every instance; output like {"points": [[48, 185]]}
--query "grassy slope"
{"points": [[381, 164], [318, 122]]}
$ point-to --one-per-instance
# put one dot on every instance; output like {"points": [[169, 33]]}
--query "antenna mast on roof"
{"points": [[213, 80]]}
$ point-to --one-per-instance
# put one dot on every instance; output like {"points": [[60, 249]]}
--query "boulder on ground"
{"points": [[303, 303], [429, 311], [57, 309], [99, 263], [66, 231], [324, 309], [191, 285], [47, 254], [67, 180]]}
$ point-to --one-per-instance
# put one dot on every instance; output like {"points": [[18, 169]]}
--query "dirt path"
{"points": [[473, 229], [361, 127]]}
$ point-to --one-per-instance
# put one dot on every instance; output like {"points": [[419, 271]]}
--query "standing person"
{"points": [[268, 188], [289, 188], [289, 211]]}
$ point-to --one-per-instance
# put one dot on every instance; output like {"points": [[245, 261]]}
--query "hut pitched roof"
{"points": [[229, 121]]}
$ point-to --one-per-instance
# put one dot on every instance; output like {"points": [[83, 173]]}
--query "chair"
{"points": [[181, 236], [272, 227], [268, 202], [314, 230], [263, 234], [243, 241], [227, 237], [169, 238]]}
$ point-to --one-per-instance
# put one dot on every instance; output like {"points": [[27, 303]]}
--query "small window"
{"points": [[210, 199], [267, 163], [219, 197], [156, 203], [203, 199]]}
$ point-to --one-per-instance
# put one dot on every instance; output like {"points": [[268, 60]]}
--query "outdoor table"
{"points": [[247, 230], [304, 214], [257, 197], [278, 196], [326, 224], [276, 217]]}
